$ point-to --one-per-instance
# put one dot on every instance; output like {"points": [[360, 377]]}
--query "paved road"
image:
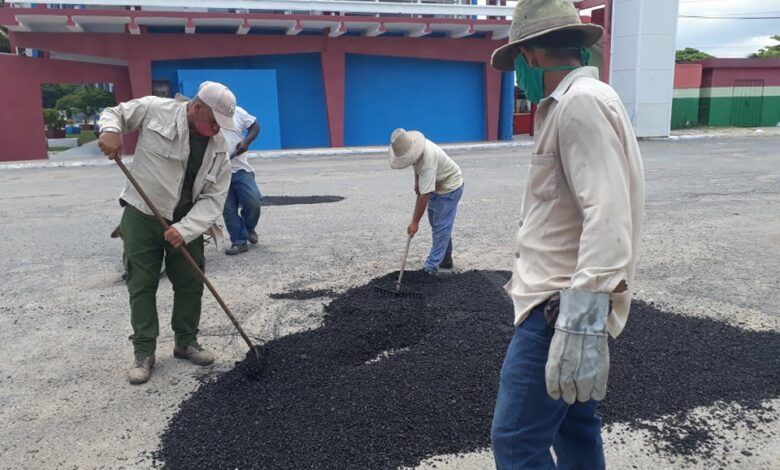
{"points": [[711, 245]]}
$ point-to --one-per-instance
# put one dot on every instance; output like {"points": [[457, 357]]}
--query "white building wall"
{"points": [[642, 66]]}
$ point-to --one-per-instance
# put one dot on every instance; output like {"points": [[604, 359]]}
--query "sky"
{"points": [[728, 37], [724, 37]]}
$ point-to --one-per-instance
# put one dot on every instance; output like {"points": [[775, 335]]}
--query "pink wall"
{"points": [[723, 72], [687, 76], [21, 115]]}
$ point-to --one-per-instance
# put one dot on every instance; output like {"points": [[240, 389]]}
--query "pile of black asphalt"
{"points": [[387, 382]]}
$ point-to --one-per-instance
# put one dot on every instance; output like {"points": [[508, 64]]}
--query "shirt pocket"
{"points": [[157, 139], [543, 176], [211, 174]]}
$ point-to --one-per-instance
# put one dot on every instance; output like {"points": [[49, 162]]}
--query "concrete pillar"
{"points": [[492, 102], [644, 33], [140, 72], [333, 76]]}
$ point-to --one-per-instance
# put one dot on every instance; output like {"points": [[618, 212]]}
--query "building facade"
{"points": [[314, 79], [727, 93]]}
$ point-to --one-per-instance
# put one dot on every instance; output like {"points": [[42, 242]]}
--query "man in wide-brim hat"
{"points": [[438, 183], [576, 249]]}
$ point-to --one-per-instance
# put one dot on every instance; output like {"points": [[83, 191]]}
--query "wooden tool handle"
{"points": [[403, 263], [183, 250]]}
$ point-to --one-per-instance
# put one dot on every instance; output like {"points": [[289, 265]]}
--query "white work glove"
{"points": [[578, 361]]}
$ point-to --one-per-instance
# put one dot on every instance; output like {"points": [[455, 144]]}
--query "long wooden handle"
{"points": [[183, 250], [403, 263]]}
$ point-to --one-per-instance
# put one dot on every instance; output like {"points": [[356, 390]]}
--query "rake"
{"points": [[397, 291]]}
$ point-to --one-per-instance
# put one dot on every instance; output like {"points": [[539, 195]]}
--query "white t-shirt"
{"points": [[242, 121], [436, 172]]}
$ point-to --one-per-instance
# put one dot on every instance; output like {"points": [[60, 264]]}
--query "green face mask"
{"points": [[531, 79]]}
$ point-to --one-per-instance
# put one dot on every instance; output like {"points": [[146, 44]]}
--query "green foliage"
{"points": [[5, 44], [768, 52], [689, 54], [54, 91], [53, 119], [85, 100]]}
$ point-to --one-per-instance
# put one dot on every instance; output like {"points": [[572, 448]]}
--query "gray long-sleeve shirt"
{"points": [[160, 162]]}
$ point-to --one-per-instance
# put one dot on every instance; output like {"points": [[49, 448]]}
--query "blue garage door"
{"points": [[443, 99], [255, 91]]}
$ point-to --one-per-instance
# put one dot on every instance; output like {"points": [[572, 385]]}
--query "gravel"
{"points": [[387, 382]]}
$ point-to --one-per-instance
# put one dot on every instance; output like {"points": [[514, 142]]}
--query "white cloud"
{"points": [[727, 37]]}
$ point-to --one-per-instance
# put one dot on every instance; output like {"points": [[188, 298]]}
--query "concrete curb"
{"points": [[301, 153]]}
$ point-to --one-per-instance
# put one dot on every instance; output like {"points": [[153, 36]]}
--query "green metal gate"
{"points": [[746, 103]]}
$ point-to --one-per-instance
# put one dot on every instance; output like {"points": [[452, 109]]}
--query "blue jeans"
{"points": [[243, 194], [527, 422], [441, 214]]}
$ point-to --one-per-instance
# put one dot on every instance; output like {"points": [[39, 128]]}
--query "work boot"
{"points": [[195, 354], [253, 237], [236, 249], [446, 263], [141, 370]]}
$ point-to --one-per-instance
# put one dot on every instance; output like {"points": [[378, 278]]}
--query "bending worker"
{"points": [[438, 183], [577, 245], [181, 163], [242, 207]]}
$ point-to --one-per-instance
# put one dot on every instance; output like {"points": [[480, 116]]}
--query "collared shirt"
{"points": [[583, 204], [160, 162], [242, 121], [436, 172]]}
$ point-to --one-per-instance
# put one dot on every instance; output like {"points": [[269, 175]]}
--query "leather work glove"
{"points": [[578, 361]]}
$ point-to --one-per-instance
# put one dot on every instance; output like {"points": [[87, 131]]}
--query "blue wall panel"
{"points": [[443, 99], [302, 113], [255, 91], [507, 113]]}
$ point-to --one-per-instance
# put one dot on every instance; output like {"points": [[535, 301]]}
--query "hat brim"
{"points": [[224, 121], [503, 58], [410, 156]]}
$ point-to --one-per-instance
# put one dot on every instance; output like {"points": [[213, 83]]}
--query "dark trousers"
{"points": [[527, 422], [145, 251]]}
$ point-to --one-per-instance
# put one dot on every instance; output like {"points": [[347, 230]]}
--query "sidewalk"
{"points": [[89, 156]]}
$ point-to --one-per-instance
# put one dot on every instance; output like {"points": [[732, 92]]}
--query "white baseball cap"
{"points": [[222, 102]]}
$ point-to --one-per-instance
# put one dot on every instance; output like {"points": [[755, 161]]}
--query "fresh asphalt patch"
{"points": [[297, 200], [388, 382]]}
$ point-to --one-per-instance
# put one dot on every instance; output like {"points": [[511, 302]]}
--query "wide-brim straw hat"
{"points": [[532, 19], [406, 147]]}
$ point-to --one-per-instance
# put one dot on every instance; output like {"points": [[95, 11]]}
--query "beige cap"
{"points": [[222, 102], [535, 18], [406, 147]]}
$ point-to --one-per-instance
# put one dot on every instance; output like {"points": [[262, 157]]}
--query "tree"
{"points": [[52, 92], [768, 52], [5, 43], [53, 119], [689, 54], [85, 100]]}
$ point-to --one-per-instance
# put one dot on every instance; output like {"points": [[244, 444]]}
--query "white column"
{"points": [[644, 33]]}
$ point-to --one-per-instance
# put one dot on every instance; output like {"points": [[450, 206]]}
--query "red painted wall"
{"points": [[723, 72], [21, 115], [687, 76]]}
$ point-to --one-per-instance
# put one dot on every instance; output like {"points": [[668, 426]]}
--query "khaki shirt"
{"points": [[583, 204], [160, 162], [436, 171]]}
